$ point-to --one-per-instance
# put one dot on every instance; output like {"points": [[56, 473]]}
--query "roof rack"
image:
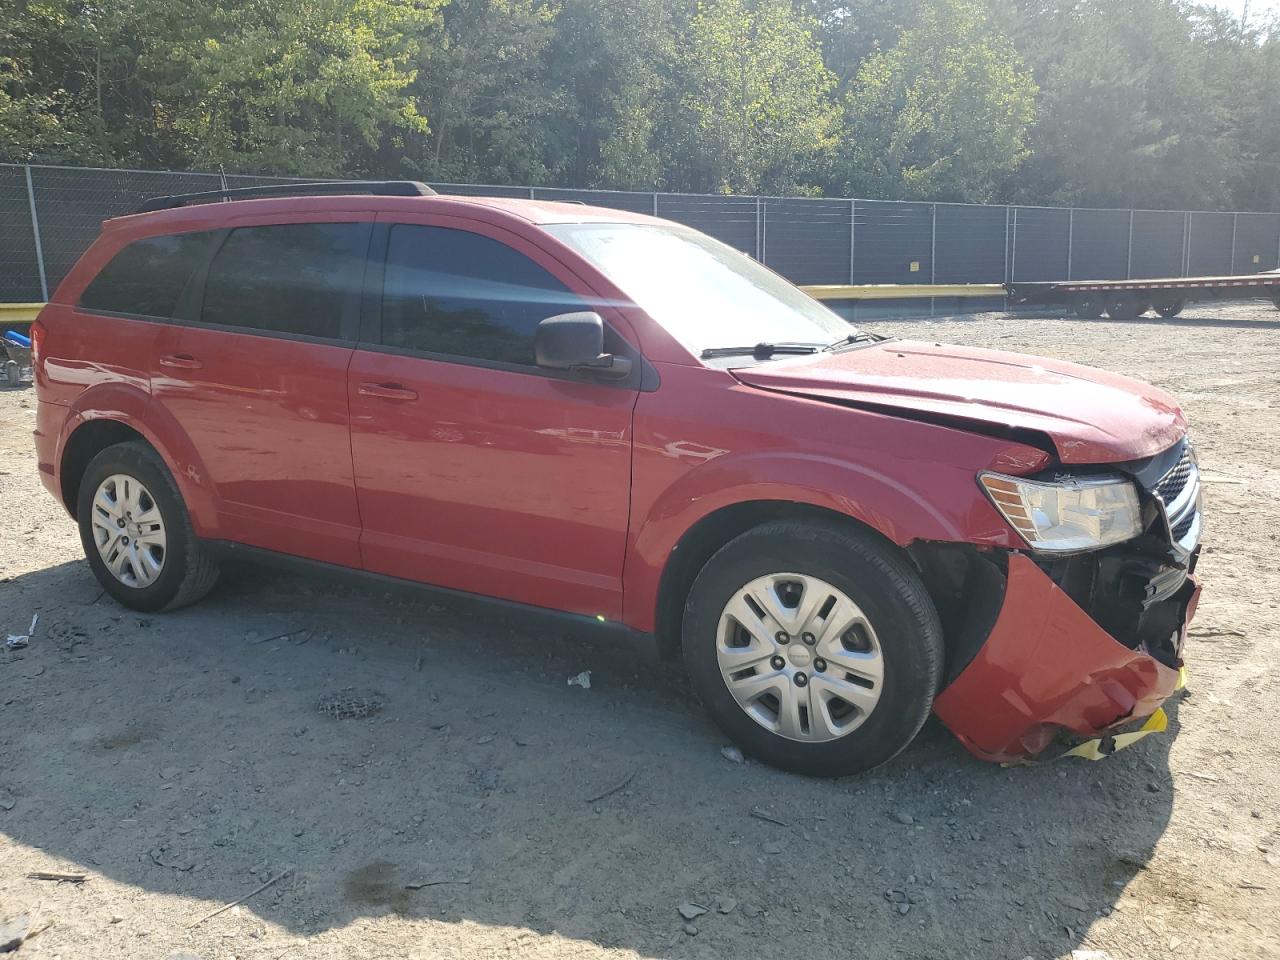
{"points": [[378, 188]]}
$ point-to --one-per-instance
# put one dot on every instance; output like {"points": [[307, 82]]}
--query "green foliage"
{"points": [[943, 114], [1159, 103], [756, 95]]}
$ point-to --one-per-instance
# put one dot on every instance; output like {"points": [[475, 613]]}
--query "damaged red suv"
{"points": [[616, 417]]}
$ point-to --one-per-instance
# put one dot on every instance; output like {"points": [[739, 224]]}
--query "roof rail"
{"points": [[378, 188]]}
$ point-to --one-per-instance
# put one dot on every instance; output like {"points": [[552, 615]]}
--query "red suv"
{"points": [[619, 418]]}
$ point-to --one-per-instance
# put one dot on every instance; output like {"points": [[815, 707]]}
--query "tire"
{"points": [[1170, 308], [1126, 308], [179, 573], [901, 625], [1088, 306]]}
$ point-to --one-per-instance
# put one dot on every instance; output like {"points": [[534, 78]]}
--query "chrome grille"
{"points": [[1179, 491]]}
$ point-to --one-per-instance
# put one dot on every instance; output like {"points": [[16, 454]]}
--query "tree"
{"points": [[754, 97], [944, 114]]}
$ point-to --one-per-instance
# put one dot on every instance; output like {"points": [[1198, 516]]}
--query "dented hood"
{"points": [[1090, 415]]}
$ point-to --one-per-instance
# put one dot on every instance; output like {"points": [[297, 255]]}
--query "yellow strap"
{"points": [[1158, 722]]}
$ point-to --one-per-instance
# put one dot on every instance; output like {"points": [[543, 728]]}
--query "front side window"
{"points": [[706, 294], [147, 277], [466, 295], [295, 278]]}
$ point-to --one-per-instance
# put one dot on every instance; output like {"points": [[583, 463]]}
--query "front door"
{"points": [[475, 469]]}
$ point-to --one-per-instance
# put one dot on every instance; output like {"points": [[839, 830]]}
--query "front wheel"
{"points": [[815, 648], [137, 534]]}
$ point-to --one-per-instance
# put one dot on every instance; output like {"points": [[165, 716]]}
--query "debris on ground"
{"points": [[19, 641], [690, 929], [691, 911], [582, 680], [351, 704], [252, 893], [614, 789], [725, 904], [732, 754], [419, 884], [904, 818], [761, 815], [58, 877]]}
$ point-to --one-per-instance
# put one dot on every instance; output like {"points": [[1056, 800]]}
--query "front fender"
{"points": [[945, 505], [137, 409]]}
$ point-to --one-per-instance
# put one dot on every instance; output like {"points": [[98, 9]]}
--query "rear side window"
{"points": [[297, 278], [147, 276], [466, 295]]}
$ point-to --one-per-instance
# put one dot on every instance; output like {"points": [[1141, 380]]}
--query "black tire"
{"points": [[1170, 308], [873, 575], [1088, 306], [188, 571], [1126, 307]]}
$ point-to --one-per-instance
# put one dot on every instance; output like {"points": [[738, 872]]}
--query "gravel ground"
{"points": [[182, 761]]}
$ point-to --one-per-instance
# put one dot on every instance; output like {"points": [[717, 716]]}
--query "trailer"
{"points": [[1130, 299]]}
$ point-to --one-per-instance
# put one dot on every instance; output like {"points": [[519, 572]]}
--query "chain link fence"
{"points": [[49, 215]]}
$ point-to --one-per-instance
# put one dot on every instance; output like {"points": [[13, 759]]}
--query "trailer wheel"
{"points": [[1088, 306], [1126, 307], [1277, 301], [1170, 308]]}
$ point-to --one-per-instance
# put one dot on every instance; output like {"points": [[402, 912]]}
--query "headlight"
{"points": [[1068, 516]]}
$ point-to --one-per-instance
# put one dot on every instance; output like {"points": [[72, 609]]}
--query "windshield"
{"points": [[706, 294]]}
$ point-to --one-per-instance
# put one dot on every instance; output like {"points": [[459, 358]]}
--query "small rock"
{"points": [[13, 933], [690, 910], [582, 680], [904, 818], [116, 918], [168, 773], [726, 904], [732, 754], [6, 801], [1256, 814], [904, 908], [487, 738], [690, 929], [297, 831], [772, 848]]}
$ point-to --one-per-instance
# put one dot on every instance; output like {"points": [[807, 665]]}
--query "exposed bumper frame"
{"points": [[1047, 667]]}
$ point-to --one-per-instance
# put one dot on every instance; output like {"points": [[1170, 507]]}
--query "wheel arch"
{"points": [[712, 532], [114, 414]]}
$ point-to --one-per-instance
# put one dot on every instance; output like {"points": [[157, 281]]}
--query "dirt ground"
{"points": [[180, 761]]}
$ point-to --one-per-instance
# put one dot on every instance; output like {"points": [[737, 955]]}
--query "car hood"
{"points": [[1091, 416]]}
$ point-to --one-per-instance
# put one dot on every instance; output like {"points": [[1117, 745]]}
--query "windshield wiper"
{"points": [[761, 351], [862, 336]]}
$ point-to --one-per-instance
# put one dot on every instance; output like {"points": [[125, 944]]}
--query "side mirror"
{"points": [[575, 341]]}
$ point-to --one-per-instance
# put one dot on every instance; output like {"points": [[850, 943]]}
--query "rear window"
{"points": [[147, 276], [297, 278]]}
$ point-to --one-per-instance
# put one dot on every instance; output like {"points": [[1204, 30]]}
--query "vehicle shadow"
{"points": [[184, 754]]}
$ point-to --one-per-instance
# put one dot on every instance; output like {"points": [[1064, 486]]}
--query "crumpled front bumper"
{"points": [[1048, 669]]}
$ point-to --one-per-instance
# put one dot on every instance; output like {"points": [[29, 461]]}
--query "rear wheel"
{"points": [[137, 534], [1126, 307], [1088, 306], [1170, 308], [815, 649]]}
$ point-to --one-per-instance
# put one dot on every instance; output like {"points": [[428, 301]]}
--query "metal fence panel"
{"points": [[1157, 243], [19, 268], [1100, 245], [808, 240], [731, 220], [968, 244], [613, 199], [893, 242], [1038, 243], [1209, 244], [1257, 242], [72, 204]]}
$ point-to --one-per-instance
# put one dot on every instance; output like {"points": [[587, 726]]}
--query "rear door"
{"points": [[475, 469], [255, 374]]}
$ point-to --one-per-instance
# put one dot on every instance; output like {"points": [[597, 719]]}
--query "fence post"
{"points": [[1235, 223], [853, 220], [655, 203], [1128, 267], [35, 233], [759, 245], [933, 246], [1186, 243], [1071, 237], [762, 215], [1007, 211], [1013, 260]]}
